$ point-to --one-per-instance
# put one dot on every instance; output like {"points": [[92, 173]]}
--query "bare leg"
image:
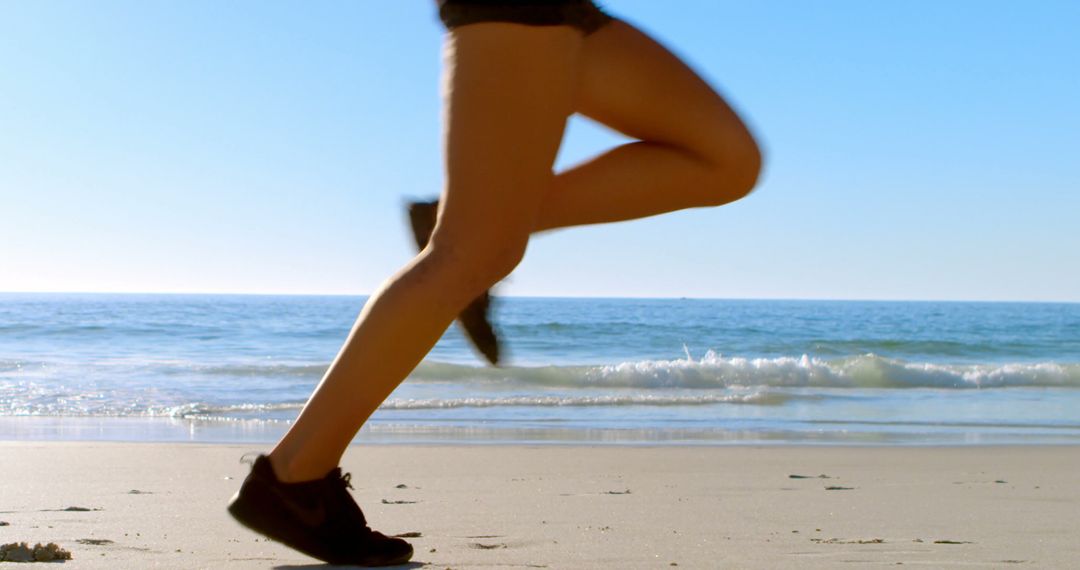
{"points": [[693, 149], [509, 90]]}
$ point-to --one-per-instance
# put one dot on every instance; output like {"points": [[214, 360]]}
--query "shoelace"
{"points": [[349, 504]]}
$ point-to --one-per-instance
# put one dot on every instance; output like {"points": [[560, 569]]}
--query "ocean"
{"points": [[237, 368]]}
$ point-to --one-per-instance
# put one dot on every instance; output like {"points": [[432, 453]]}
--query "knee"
{"points": [[733, 173], [472, 265], [748, 172]]}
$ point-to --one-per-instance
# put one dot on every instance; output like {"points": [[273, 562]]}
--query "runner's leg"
{"points": [[508, 90], [692, 149]]}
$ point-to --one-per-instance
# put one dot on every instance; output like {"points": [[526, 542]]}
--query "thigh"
{"points": [[508, 90], [634, 85]]}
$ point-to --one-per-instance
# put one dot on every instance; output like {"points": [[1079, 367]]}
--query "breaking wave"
{"points": [[712, 379], [715, 371]]}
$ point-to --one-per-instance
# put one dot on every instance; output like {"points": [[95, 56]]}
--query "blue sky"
{"points": [[916, 150]]}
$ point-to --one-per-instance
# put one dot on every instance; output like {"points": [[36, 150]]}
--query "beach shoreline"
{"points": [[235, 369], [380, 431], [515, 506]]}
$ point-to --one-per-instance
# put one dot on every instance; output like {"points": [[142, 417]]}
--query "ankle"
{"points": [[289, 470]]}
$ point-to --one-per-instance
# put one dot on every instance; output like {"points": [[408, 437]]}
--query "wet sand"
{"points": [[135, 505]]}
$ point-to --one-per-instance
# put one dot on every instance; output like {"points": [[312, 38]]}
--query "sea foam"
{"points": [[716, 371]]}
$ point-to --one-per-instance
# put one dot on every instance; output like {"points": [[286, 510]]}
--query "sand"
{"points": [[130, 505]]}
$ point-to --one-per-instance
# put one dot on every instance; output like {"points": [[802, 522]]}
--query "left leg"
{"points": [[508, 92]]}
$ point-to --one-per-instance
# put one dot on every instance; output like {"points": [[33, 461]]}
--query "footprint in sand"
{"points": [[848, 541], [482, 546], [94, 541]]}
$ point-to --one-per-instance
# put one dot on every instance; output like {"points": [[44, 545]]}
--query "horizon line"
{"points": [[627, 297]]}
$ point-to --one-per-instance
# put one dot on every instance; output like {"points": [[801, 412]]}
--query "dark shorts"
{"points": [[581, 14]]}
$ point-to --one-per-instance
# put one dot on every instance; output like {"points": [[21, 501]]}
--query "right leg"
{"points": [[693, 150]]}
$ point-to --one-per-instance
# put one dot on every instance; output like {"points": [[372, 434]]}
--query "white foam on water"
{"points": [[711, 379], [713, 371]]}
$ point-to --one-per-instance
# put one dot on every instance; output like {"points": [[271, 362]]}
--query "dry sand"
{"points": [[162, 506]]}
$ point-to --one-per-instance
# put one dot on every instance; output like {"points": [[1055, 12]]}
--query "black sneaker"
{"points": [[319, 518], [474, 319]]}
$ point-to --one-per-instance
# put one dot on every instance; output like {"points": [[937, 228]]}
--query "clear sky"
{"points": [[916, 150]]}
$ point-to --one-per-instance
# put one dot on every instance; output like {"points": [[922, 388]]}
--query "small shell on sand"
{"points": [[22, 552]]}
